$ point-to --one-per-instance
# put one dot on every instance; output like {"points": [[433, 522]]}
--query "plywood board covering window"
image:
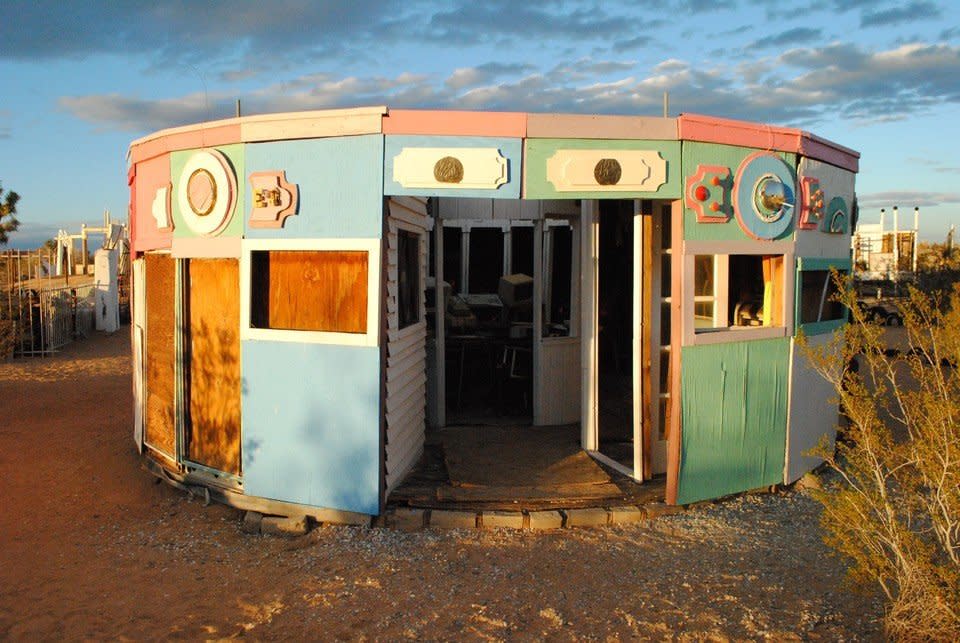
{"points": [[159, 431], [311, 290], [214, 344]]}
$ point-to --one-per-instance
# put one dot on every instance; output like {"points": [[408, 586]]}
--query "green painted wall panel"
{"points": [[696, 153], [538, 150], [235, 154], [734, 398]]}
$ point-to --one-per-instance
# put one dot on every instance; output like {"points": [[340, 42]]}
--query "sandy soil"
{"points": [[91, 547]]}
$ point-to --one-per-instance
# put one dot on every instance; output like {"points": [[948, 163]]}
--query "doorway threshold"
{"points": [[516, 468]]}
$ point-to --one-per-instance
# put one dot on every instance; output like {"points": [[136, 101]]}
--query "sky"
{"points": [[80, 80]]}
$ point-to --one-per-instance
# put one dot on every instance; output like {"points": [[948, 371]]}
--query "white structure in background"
{"points": [[881, 254], [106, 290], [113, 234]]}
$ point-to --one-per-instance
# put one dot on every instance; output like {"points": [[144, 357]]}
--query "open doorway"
{"points": [[616, 312], [484, 326]]}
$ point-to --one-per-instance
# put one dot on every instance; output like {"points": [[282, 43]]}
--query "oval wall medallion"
{"points": [[607, 171], [449, 169]]}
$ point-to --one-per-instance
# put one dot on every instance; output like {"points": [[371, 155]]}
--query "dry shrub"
{"points": [[894, 510]]}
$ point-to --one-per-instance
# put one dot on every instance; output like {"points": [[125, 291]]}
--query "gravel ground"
{"points": [[94, 548]]}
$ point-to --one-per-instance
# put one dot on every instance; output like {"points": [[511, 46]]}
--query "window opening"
{"points": [[818, 293], [736, 291], [408, 278]]}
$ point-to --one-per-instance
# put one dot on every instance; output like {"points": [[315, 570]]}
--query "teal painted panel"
{"points": [[311, 424], [339, 182], [713, 154], [178, 160], [823, 263], [734, 398], [509, 148], [539, 150]]}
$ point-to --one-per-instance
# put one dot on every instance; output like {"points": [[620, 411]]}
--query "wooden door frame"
{"points": [[589, 298]]}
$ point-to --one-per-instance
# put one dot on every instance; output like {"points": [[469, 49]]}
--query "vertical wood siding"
{"points": [[406, 350], [213, 434], [159, 431]]}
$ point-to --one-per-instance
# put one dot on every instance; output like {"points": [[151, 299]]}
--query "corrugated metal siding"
{"points": [[406, 350]]}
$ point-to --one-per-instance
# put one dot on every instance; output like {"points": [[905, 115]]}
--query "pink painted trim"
{"points": [[807, 213], [709, 129], [601, 126], [821, 149], [217, 247], [194, 138], [698, 206], [455, 123]]}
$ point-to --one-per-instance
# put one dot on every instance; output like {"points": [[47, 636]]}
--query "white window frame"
{"points": [[369, 338], [722, 251]]}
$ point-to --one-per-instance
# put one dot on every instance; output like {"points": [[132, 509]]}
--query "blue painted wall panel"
{"points": [[311, 424], [510, 148], [340, 181]]}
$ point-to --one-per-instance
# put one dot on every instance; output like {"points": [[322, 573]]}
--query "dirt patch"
{"points": [[93, 548]]}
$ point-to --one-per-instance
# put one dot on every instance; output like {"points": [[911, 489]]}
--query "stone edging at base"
{"points": [[412, 519]]}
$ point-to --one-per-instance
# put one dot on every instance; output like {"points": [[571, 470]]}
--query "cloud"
{"points": [[874, 85], [463, 77], [48, 29], [786, 38], [907, 200], [916, 10], [636, 42], [800, 87]]}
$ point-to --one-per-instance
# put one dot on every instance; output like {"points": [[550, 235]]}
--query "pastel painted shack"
{"points": [[313, 292]]}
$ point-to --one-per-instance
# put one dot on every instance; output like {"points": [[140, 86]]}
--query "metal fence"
{"points": [[40, 313], [44, 321]]}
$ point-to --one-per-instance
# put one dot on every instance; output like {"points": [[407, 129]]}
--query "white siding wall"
{"points": [[813, 413], [406, 350]]}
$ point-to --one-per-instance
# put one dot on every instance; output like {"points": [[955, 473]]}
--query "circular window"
{"points": [[206, 192]]}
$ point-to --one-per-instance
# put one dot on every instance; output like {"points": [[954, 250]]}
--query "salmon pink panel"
{"points": [[151, 223], [708, 129], [455, 123]]}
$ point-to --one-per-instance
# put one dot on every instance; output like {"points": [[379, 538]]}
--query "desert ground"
{"points": [[93, 547]]}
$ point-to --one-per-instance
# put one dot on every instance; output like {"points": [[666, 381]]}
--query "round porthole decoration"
{"points": [[764, 196], [206, 192]]}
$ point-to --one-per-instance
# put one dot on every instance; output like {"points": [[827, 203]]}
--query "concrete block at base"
{"points": [[656, 509], [282, 526], [592, 517], [626, 515], [406, 519], [509, 519], [453, 519], [251, 522], [546, 520]]}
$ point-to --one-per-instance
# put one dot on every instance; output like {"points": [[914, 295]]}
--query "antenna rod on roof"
{"points": [[666, 104], [238, 108]]}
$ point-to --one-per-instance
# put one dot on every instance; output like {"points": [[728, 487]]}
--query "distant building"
{"points": [[882, 254]]}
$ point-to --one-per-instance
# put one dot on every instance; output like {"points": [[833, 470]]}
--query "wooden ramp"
{"points": [[515, 468]]}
